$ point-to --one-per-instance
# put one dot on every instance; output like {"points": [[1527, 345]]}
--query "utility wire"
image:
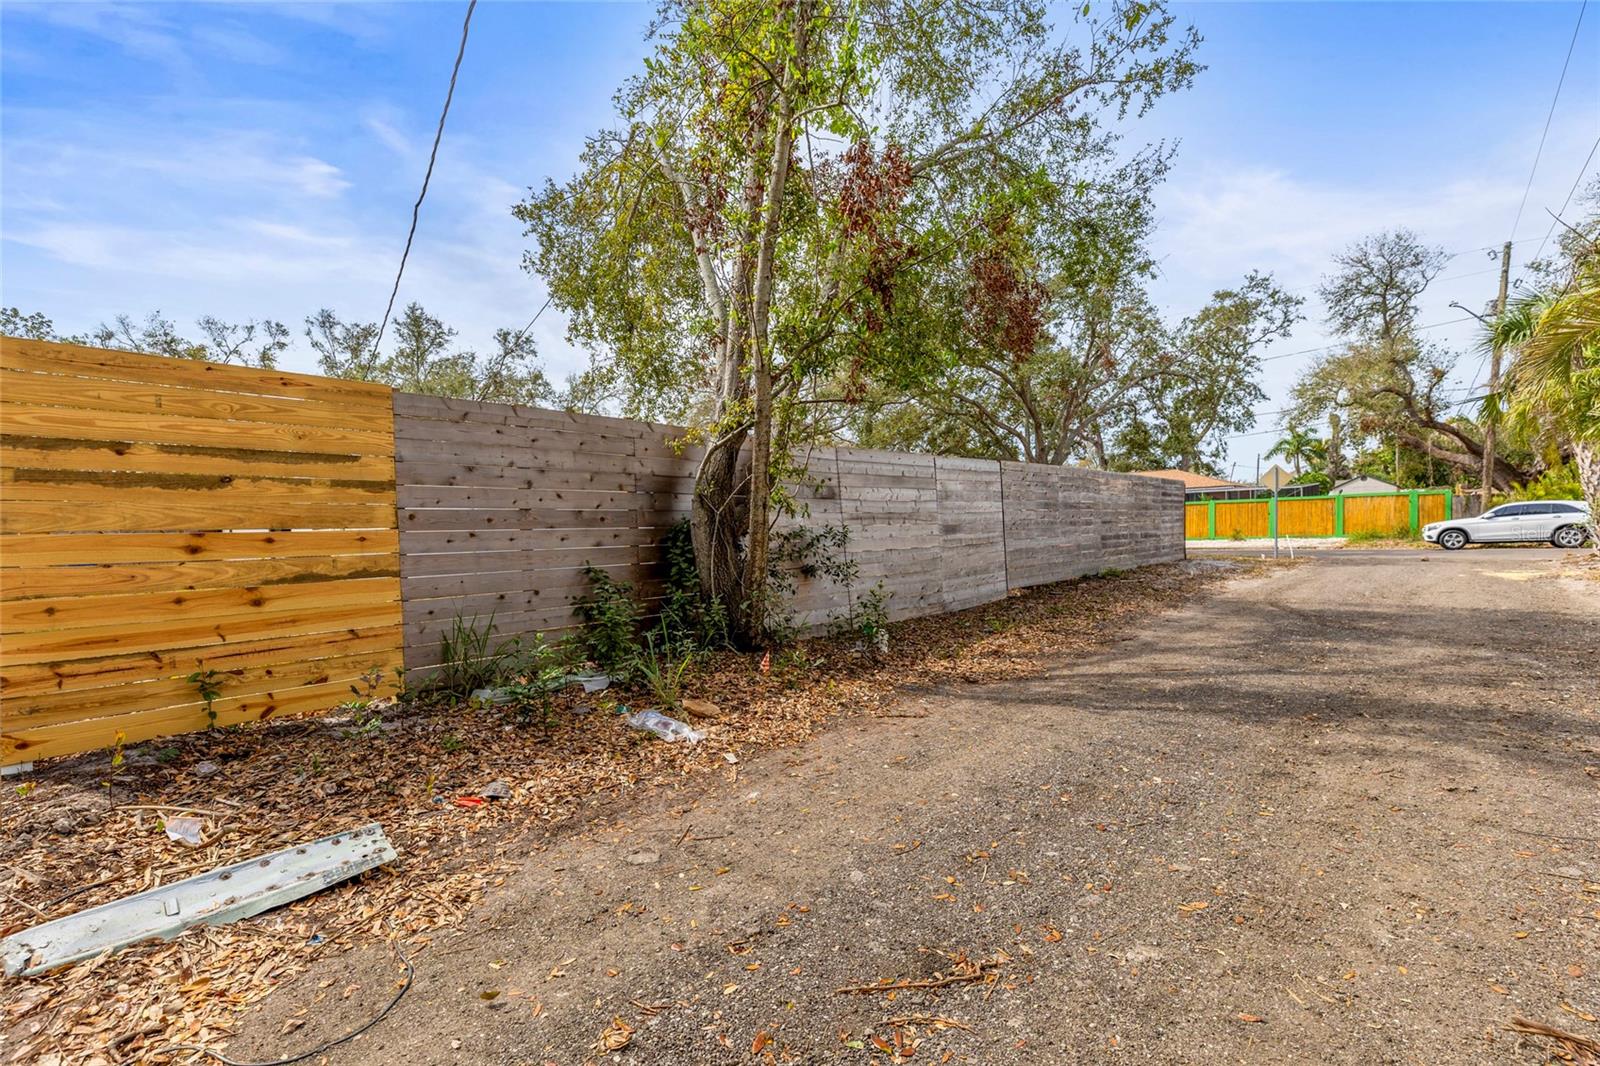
{"points": [[1341, 344], [1570, 194], [1281, 429], [1552, 114], [416, 209]]}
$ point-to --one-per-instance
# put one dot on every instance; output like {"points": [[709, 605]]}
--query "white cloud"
{"points": [[237, 44], [387, 135], [137, 29], [229, 162]]}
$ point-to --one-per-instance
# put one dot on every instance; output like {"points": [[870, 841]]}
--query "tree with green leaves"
{"points": [[1044, 328], [1387, 386], [251, 343], [1298, 447], [1551, 391], [1207, 384], [784, 180], [423, 357]]}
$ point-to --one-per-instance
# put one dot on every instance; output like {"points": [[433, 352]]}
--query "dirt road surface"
{"points": [[1344, 813]]}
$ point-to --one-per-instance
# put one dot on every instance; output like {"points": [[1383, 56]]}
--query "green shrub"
{"points": [[469, 658], [689, 622], [1560, 482], [535, 671], [662, 673], [610, 615], [868, 618]]}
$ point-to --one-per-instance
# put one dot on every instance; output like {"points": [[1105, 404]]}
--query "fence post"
{"points": [[1211, 519], [1272, 516], [1415, 519], [1338, 514]]}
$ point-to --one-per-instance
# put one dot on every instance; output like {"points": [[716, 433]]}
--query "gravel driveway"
{"points": [[1345, 813]]}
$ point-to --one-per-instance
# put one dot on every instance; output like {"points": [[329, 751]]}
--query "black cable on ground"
{"points": [[411, 973]]}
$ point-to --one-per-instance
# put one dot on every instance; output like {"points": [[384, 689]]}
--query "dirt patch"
{"points": [[75, 843], [1341, 815]]}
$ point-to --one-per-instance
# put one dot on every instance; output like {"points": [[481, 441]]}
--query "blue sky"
{"points": [[259, 160]]}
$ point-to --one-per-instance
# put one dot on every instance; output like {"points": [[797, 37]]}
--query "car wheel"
{"points": [[1570, 537], [1452, 540]]}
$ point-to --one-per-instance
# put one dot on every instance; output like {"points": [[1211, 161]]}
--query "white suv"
{"points": [[1564, 523]]}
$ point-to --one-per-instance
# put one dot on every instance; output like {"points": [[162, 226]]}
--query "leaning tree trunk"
{"points": [[1587, 455], [717, 516]]}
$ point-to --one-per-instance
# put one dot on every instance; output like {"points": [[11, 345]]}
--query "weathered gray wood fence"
{"points": [[501, 507]]}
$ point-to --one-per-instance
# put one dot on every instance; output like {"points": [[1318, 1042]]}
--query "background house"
{"points": [[1201, 486], [1363, 484], [1198, 487]]}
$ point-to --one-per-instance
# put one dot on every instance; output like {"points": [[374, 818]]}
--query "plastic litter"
{"points": [[495, 790], [190, 831], [489, 697], [668, 729], [592, 682]]}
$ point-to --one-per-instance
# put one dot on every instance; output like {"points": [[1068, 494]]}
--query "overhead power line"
{"points": [[1570, 194], [1287, 411], [1341, 344], [1552, 114], [416, 209]]}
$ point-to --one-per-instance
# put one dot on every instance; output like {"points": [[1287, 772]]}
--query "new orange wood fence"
{"points": [[161, 519], [1397, 513]]}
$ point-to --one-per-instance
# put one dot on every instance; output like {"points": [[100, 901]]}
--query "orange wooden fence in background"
{"points": [[1388, 514]]}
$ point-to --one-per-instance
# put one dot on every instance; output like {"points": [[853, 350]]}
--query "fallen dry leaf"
{"points": [[616, 1036]]}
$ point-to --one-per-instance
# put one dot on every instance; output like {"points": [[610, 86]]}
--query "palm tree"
{"points": [[1553, 384], [1297, 446]]}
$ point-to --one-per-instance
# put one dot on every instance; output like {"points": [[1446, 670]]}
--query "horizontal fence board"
{"points": [[416, 476], [419, 590], [107, 364], [146, 399], [62, 423], [542, 518], [158, 608], [364, 672], [197, 637], [44, 453], [19, 744], [159, 517], [87, 549], [516, 561], [114, 672], [28, 583], [152, 511], [102, 487]]}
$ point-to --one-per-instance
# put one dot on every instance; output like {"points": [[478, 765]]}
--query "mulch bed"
{"points": [[73, 844]]}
